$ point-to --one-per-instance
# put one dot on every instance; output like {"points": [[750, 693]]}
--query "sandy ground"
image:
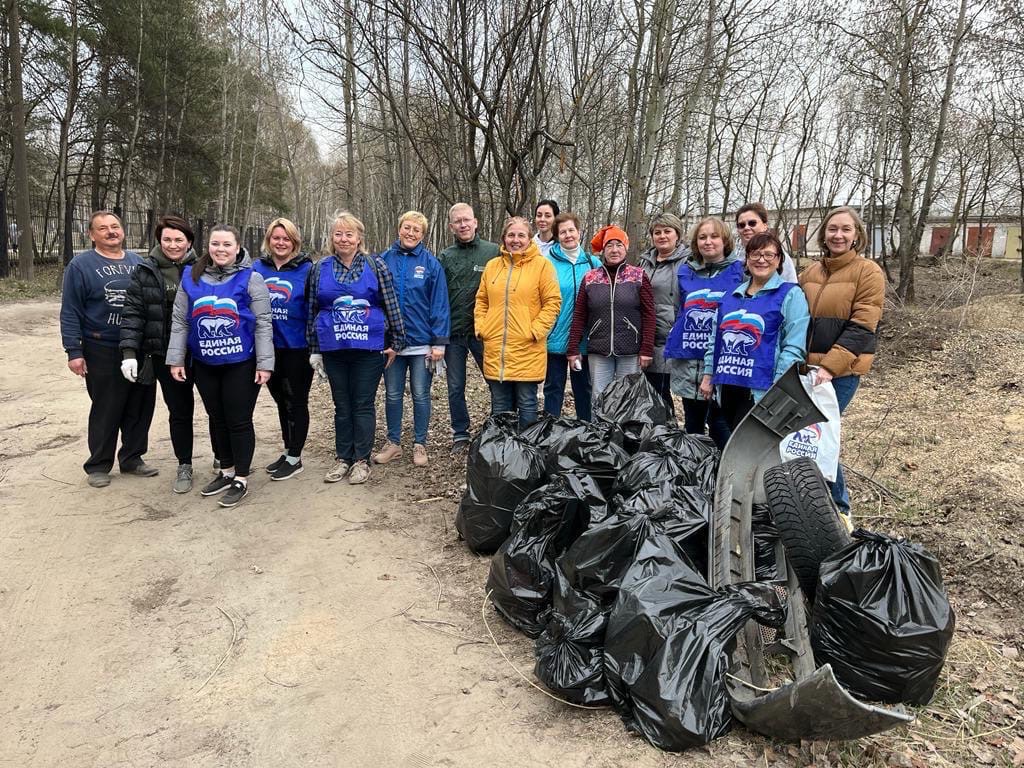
{"points": [[341, 625]]}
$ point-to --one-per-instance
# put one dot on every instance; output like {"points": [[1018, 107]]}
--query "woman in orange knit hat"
{"points": [[615, 311]]}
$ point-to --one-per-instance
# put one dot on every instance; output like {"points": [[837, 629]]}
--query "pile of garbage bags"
{"points": [[600, 535], [600, 538]]}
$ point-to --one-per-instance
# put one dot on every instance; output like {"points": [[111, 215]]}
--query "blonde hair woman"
{"points": [[354, 329], [423, 299], [285, 269]]}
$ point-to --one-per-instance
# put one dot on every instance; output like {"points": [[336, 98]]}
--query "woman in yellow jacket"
{"points": [[516, 307]]}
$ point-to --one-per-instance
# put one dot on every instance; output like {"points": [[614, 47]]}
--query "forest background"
{"points": [[240, 110]]}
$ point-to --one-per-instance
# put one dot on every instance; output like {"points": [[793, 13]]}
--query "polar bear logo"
{"points": [[741, 332], [216, 318]]}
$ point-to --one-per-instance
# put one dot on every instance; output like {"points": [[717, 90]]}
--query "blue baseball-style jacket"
{"points": [[422, 293]]}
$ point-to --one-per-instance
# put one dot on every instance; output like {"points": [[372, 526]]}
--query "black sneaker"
{"points": [[287, 470], [273, 466], [220, 483], [460, 447], [235, 494]]}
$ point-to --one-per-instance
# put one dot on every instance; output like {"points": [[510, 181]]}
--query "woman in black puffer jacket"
{"points": [[146, 328]]}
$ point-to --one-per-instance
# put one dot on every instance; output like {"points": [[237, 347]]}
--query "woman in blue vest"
{"points": [[761, 330], [711, 271], [284, 269], [423, 298], [571, 262], [221, 316], [354, 330]]}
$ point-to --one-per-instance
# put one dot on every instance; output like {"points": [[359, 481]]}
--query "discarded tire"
{"points": [[806, 518]]}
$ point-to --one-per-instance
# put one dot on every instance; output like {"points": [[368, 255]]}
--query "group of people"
{"points": [[712, 321]]}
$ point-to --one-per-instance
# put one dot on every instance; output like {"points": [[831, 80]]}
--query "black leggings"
{"points": [[289, 386], [229, 394], [179, 397]]}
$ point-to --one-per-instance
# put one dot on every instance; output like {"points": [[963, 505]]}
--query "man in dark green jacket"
{"points": [[463, 264]]}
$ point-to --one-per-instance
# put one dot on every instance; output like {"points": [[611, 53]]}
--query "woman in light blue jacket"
{"points": [[760, 331], [571, 262]]}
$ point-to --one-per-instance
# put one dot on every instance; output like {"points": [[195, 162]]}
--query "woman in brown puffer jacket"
{"points": [[845, 293]]}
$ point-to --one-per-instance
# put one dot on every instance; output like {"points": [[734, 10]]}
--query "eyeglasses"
{"points": [[747, 224], [765, 256]]}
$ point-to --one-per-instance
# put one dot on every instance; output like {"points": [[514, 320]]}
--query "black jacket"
{"points": [[146, 317]]}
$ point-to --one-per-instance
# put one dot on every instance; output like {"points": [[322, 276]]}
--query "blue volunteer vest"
{"points": [[222, 326], [350, 315], [747, 338], [695, 326], [287, 303]]}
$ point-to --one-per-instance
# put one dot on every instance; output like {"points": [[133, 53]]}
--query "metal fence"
{"points": [[52, 242]]}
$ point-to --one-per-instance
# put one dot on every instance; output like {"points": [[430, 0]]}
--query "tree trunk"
{"points": [[65, 200], [26, 265]]}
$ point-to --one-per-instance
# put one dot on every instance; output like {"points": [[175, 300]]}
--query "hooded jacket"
{"points": [[260, 305], [422, 293], [845, 294], [463, 264], [570, 279], [517, 305], [146, 317], [665, 285]]}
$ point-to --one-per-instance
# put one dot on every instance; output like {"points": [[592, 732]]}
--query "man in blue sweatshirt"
{"points": [[95, 283]]}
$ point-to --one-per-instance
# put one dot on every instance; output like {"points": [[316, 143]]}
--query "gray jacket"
{"points": [[665, 284], [686, 374], [260, 305]]}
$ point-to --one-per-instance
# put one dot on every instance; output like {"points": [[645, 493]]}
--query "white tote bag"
{"points": [[818, 442]]}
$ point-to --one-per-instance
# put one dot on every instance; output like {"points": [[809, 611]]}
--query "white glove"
{"points": [[316, 362], [130, 369]]}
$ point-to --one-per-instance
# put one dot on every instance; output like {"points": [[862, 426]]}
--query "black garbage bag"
{"points": [[570, 654], [545, 524], [695, 452], [676, 508], [882, 619], [634, 405], [765, 538], [653, 466], [501, 469], [667, 645], [546, 429], [596, 449], [596, 562]]}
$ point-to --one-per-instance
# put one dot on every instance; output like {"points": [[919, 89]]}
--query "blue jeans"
{"points": [[455, 354], [515, 396], [420, 379], [354, 375], [554, 386], [845, 387]]}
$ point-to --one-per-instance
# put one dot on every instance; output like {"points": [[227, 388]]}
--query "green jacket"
{"points": [[463, 265]]}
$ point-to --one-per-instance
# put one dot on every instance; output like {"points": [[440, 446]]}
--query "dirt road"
{"points": [[313, 625]]}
